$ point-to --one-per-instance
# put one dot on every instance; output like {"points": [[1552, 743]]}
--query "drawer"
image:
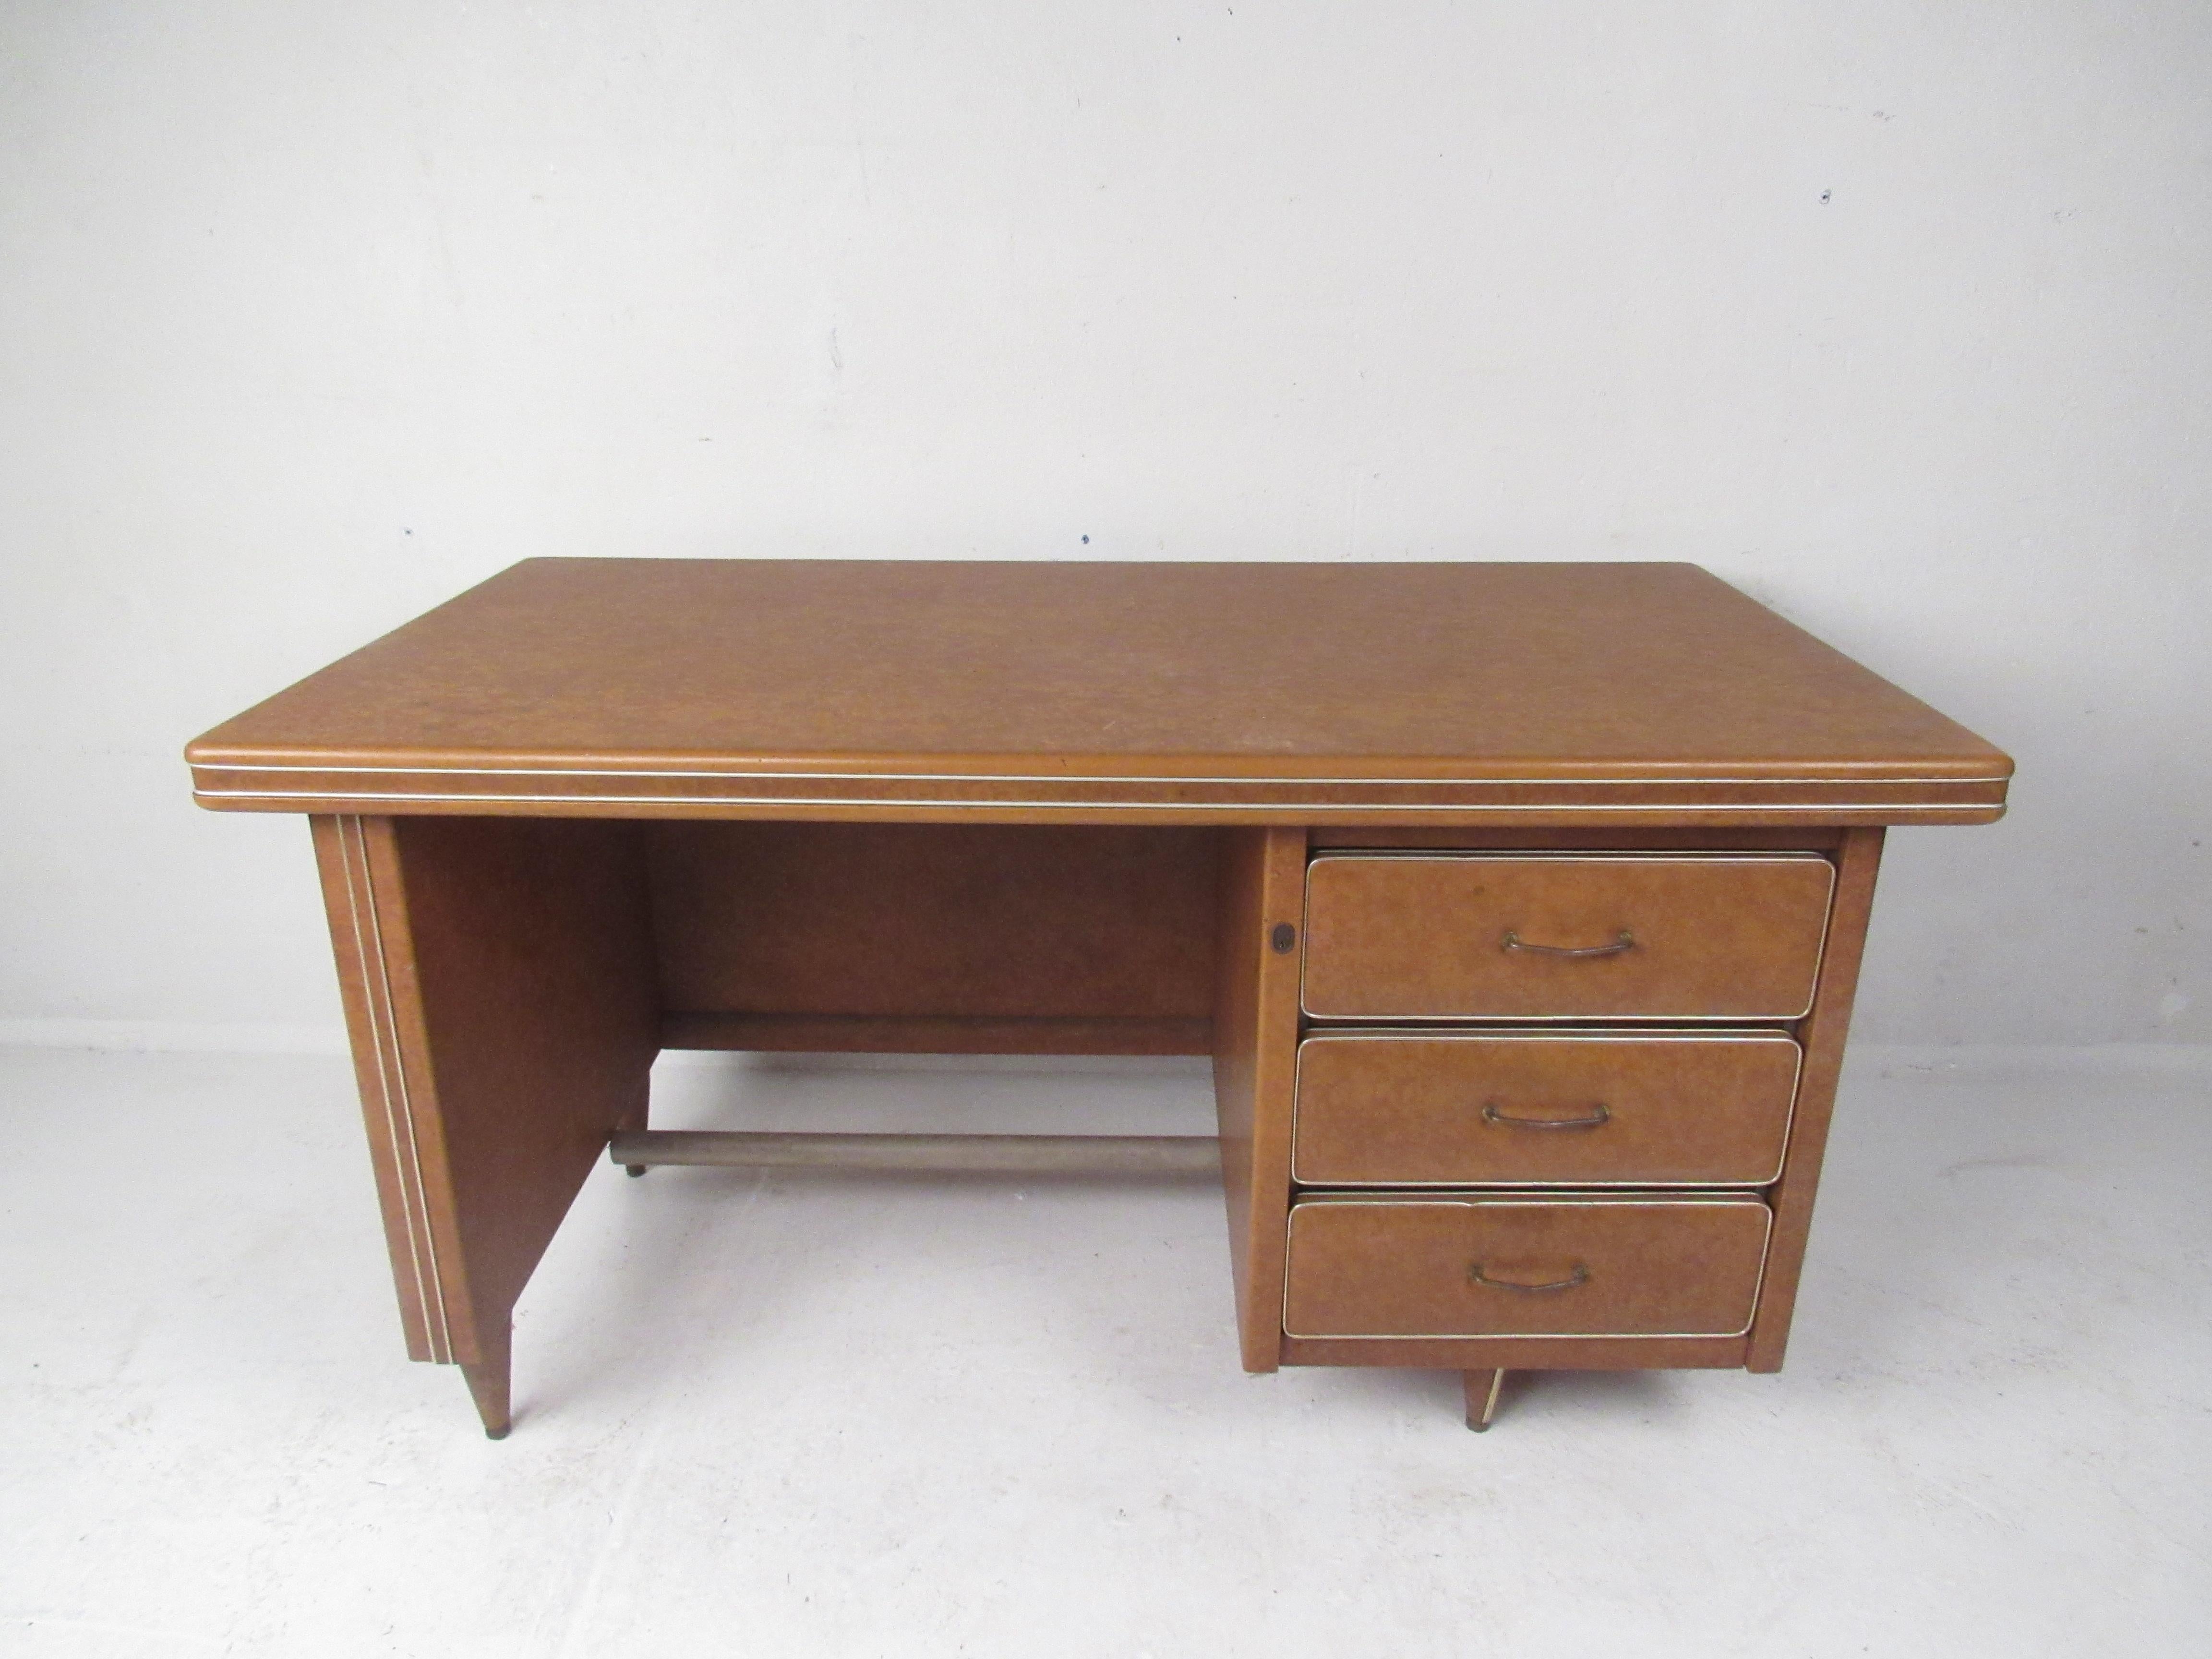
{"points": [[1473, 936], [1591, 1265], [1542, 1108]]}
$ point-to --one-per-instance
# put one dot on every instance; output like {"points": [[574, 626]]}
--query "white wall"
{"points": [[1894, 315]]}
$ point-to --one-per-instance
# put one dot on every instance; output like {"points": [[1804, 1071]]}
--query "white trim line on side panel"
{"points": [[400, 1113]]}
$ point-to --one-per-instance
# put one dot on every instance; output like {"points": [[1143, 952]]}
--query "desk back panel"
{"points": [[953, 937]]}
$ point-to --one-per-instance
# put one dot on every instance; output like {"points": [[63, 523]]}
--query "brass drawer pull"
{"points": [[1579, 1277], [1597, 1119], [1624, 941]]}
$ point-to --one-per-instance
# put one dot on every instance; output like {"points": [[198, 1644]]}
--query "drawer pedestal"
{"points": [[1544, 1106]]}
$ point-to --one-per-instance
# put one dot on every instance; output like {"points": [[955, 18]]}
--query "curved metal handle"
{"points": [[1624, 941], [1598, 1119], [1579, 1277]]}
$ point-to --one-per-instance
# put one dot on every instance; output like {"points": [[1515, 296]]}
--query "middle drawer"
{"points": [[1541, 1109]]}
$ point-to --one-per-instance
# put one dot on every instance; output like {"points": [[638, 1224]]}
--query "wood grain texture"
{"points": [[593, 806], [1434, 1266], [1306, 692], [1642, 1109], [356, 943], [1256, 1033], [1426, 936], [1822, 1036], [966, 922], [507, 1023]]}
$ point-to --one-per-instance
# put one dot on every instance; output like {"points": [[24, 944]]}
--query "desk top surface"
{"points": [[1164, 693]]}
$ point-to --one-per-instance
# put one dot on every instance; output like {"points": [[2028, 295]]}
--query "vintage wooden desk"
{"points": [[1519, 906]]}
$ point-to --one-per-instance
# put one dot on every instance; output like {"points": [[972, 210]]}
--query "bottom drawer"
{"points": [[1567, 1266]]}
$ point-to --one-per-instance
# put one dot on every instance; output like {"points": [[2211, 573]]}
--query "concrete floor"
{"points": [[856, 1417]]}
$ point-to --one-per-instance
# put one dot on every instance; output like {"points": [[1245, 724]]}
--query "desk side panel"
{"points": [[510, 1021], [364, 986], [1822, 1036], [1256, 1041]]}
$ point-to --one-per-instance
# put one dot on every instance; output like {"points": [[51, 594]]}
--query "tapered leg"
{"points": [[499, 987], [634, 1120], [1483, 1389], [490, 1385]]}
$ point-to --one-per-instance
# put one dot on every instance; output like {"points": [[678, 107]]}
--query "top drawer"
{"points": [[1523, 937]]}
